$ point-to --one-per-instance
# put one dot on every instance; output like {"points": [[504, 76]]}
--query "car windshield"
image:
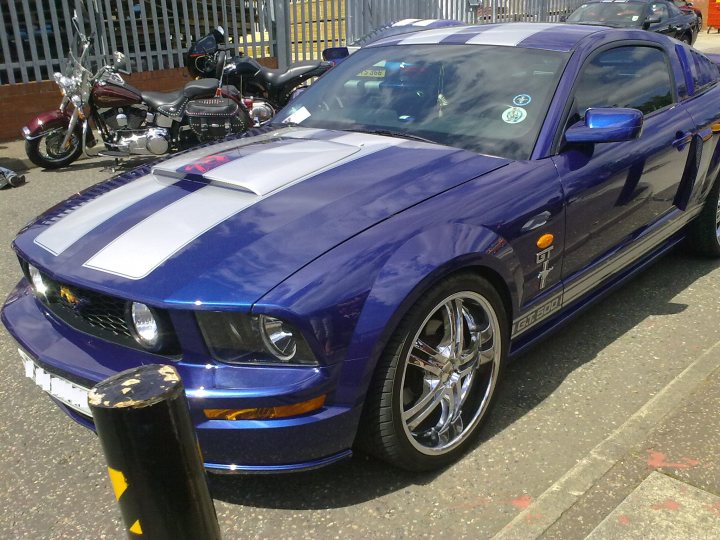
{"points": [[620, 14], [486, 99]]}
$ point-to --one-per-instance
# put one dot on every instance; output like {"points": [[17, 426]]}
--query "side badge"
{"points": [[543, 257]]}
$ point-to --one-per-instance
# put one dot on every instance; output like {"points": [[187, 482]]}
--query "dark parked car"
{"points": [[657, 16]]}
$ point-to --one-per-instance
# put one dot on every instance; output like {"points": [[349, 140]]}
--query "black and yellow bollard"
{"points": [[153, 458]]}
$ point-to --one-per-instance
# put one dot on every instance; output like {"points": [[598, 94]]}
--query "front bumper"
{"points": [[276, 445]]}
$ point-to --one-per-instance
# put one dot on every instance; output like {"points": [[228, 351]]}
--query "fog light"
{"points": [[145, 325], [266, 413], [37, 280]]}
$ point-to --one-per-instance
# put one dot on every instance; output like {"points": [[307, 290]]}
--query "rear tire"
{"points": [[704, 233], [435, 381], [45, 151]]}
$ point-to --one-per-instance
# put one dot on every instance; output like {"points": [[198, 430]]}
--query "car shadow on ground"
{"points": [[526, 383]]}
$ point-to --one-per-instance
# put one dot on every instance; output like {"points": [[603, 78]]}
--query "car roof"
{"points": [[549, 36]]}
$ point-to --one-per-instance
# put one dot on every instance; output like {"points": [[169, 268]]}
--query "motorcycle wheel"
{"points": [[46, 151]]}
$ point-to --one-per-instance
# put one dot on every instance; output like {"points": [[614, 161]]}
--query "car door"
{"points": [[617, 191]]}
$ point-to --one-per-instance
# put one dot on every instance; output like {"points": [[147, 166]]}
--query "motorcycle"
{"points": [[264, 90], [129, 121]]}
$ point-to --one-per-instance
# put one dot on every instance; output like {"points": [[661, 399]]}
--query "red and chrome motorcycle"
{"points": [[129, 121]]}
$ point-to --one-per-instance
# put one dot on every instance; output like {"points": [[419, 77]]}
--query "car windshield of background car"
{"points": [[486, 99], [617, 14]]}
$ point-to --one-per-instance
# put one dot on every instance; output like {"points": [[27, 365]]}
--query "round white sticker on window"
{"points": [[522, 100], [514, 115]]}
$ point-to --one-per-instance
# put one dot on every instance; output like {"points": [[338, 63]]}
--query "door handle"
{"points": [[682, 138]]}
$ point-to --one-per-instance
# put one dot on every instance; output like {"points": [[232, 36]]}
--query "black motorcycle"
{"points": [[264, 90]]}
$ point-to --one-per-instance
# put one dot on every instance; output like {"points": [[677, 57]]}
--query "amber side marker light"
{"points": [[545, 241], [266, 413]]}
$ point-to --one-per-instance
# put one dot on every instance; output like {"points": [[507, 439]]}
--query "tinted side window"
{"points": [[635, 77], [659, 10], [674, 12]]}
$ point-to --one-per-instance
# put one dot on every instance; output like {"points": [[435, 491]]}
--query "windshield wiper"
{"points": [[391, 133]]}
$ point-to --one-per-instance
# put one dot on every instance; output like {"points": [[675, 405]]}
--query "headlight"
{"points": [[278, 337], [247, 339], [37, 280]]}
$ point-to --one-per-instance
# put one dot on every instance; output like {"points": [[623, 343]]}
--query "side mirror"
{"points": [[563, 18], [121, 63], [606, 125], [652, 19], [335, 53]]}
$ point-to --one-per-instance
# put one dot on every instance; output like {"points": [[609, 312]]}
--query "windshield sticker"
{"points": [[521, 100], [298, 116], [635, 17], [514, 115]]}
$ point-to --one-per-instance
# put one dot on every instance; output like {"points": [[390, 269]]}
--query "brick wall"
{"points": [[20, 103]]}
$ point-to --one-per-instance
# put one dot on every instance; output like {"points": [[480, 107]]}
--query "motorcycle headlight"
{"points": [[37, 280], [248, 339]]}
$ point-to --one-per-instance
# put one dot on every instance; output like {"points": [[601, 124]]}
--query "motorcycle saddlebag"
{"points": [[214, 118]]}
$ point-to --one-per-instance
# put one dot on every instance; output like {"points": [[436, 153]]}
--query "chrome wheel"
{"points": [[434, 384], [450, 372], [51, 146], [48, 150]]}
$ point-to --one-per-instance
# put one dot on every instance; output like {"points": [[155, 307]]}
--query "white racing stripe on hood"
{"points": [[217, 148], [508, 35], [151, 242], [70, 228], [144, 247], [269, 170]]}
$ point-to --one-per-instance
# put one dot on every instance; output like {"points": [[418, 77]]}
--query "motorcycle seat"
{"points": [[279, 77], [159, 99], [175, 100]]}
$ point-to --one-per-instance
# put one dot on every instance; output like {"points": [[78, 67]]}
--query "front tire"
{"points": [[435, 381], [704, 233], [46, 151]]}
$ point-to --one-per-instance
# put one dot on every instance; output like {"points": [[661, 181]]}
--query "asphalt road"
{"points": [[556, 404]]}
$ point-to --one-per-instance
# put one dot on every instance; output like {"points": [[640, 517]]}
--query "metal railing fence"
{"points": [[155, 34]]}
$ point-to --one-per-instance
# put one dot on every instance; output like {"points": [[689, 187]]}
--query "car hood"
{"points": [[220, 226]]}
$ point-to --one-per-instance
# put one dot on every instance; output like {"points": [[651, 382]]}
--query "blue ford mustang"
{"points": [[357, 274]]}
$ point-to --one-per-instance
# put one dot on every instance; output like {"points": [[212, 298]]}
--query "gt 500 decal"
{"points": [[533, 317]]}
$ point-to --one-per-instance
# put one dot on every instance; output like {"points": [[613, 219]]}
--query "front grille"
{"points": [[103, 313], [99, 314]]}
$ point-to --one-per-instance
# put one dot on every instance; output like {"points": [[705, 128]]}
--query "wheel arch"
{"points": [[467, 249]]}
